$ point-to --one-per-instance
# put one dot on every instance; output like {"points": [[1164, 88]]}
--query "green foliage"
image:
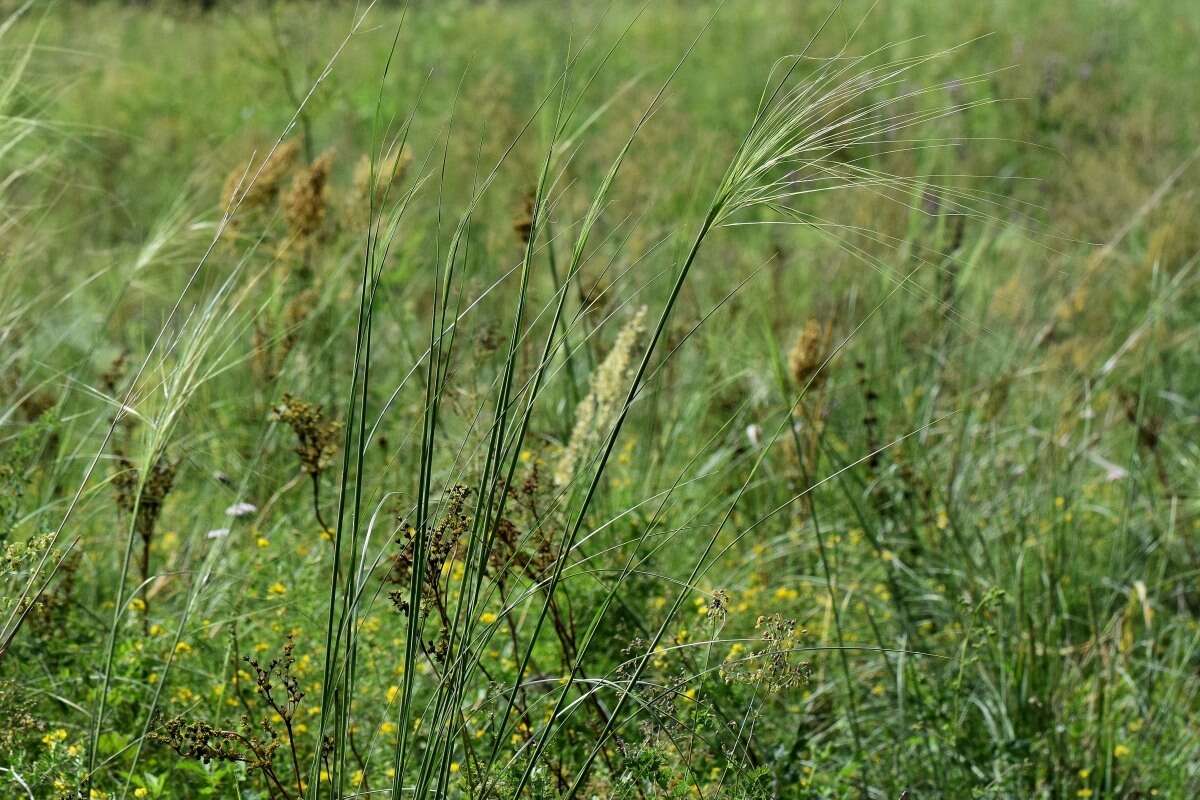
{"points": [[661, 437]]}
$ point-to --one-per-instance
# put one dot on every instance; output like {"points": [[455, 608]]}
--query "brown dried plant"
{"points": [[256, 188], [143, 501], [253, 743], [316, 441], [306, 202]]}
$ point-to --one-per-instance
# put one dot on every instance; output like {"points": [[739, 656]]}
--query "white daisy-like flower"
{"points": [[754, 435], [240, 510]]}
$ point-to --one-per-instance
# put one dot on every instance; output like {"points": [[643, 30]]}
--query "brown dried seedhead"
{"points": [[257, 187], [316, 437], [306, 203], [809, 353]]}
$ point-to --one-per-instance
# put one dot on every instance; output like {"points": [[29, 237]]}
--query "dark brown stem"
{"points": [[316, 484], [145, 586]]}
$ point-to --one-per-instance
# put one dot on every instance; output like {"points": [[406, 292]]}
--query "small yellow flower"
{"points": [[487, 618], [277, 588], [141, 791], [387, 728], [182, 648], [454, 767], [52, 739], [878, 690], [156, 630], [263, 542], [786, 593], [1084, 792], [392, 693], [1084, 773], [1120, 751], [137, 604]]}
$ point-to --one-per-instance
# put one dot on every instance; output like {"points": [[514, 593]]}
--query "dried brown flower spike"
{"points": [[810, 352], [316, 440], [305, 204], [441, 540], [389, 172], [256, 193], [523, 222], [145, 505], [368, 192], [316, 436]]}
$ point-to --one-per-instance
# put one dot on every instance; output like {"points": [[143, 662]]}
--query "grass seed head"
{"points": [[597, 411]]}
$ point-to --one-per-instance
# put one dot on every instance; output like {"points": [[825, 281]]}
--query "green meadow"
{"points": [[757, 399]]}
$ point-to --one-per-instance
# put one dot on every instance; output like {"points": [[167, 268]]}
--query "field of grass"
{"points": [[758, 399]]}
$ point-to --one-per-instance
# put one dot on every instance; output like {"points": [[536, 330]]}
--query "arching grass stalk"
{"points": [[437, 369], [782, 138], [338, 676]]}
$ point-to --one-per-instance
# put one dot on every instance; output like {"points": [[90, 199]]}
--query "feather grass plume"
{"points": [[597, 411]]}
